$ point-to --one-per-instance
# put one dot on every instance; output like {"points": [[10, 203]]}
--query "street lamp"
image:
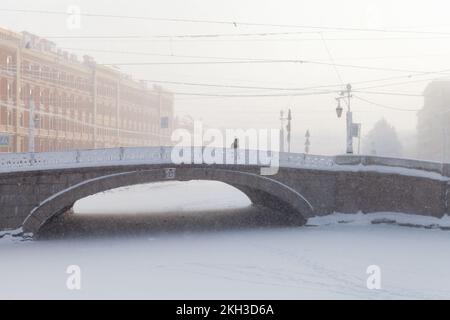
{"points": [[307, 142], [339, 108], [282, 131], [347, 95], [288, 130]]}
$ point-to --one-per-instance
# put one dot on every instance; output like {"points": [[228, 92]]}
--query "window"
{"points": [[30, 96], [29, 67], [46, 73], [9, 64], [9, 91], [37, 121]]}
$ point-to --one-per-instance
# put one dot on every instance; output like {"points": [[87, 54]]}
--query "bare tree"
{"points": [[382, 140]]}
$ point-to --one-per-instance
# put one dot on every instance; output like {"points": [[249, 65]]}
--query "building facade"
{"points": [[433, 132], [50, 101]]}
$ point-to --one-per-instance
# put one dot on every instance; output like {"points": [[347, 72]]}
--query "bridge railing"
{"points": [[364, 160], [302, 159], [152, 155], [163, 155], [90, 157]]}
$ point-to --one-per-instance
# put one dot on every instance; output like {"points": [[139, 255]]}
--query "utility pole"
{"points": [[288, 130], [31, 132], [352, 129], [282, 131], [118, 112], [17, 144], [94, 99], [307, 142], [358, 125], [159, 119]]}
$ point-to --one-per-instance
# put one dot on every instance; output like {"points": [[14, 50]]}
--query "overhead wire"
{"points": [[233, 23], [384, 106]]}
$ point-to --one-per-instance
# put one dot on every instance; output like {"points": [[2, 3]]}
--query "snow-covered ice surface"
{"points": [[327, 260], [399, 219]]}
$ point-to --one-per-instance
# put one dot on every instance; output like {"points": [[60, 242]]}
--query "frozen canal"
{"points": [[187, 251]]}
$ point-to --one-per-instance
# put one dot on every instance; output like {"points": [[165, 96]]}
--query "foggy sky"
{"points": [[407, 51]]}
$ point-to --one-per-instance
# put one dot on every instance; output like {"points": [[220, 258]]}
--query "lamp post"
{"points": [[346, 96], [31, 123], [282, 131], [288, 130], [307, 142]]}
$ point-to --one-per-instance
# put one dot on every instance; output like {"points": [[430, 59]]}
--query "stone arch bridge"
{"points": [[36, 187]]}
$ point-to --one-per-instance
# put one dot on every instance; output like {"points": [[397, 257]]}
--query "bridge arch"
{"points": [[261, 190]]}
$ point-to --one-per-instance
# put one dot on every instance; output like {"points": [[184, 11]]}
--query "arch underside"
{"points": [[261, 190]]}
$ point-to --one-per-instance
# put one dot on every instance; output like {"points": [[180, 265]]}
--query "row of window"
{"points": [[53, 75], [104, 88], [60, 124], [80, 81], [49, 97]]}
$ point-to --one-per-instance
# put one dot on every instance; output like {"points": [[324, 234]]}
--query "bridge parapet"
{"points": [[307, 160], [365, 160], [79, 158], [10, 162]]}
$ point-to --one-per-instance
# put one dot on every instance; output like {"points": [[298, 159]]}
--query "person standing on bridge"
{"points": [[235, 144]]}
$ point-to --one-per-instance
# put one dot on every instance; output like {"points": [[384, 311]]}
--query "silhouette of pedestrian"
{"points": [[235, 143], [235, 146]]}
